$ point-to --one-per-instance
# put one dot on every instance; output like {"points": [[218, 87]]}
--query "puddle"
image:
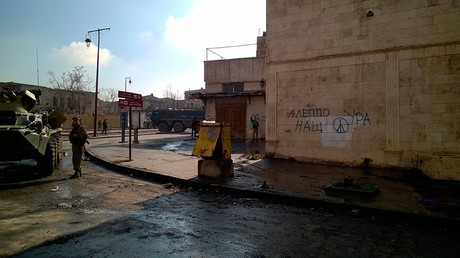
{"points": [[172, 146]]}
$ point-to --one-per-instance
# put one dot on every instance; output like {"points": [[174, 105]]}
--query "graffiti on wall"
{"points": [[342, 124], [310, 112], [319, 120], [307, 125], [310, 126], [256, 116]]}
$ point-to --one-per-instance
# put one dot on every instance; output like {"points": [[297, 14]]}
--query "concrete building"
{"points": [[235, 92], [348, 80], [70, 103], [77, 102], [151, 102]]}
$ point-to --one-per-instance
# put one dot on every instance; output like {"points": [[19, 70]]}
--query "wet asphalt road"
{"points": [[105, 214], [203, 224]]}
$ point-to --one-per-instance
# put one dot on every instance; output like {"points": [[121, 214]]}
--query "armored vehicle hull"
{"points": [[29, 135], [179, 120]]}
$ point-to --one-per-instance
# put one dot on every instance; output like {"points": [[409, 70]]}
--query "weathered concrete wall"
{"points": [[348, 80], [113, 122], [311, 29], [429, 97], [247, 70], [255, 108]]}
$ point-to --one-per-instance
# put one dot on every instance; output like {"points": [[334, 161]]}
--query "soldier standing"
{"points": [[194, 125], [78, 137], [104, 127], [255, 128]]}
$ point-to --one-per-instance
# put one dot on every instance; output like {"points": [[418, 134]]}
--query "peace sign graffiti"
{"points": [[340, 125]]}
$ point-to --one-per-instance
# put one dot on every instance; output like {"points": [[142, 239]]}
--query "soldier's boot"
{"points": [[76, 174]]}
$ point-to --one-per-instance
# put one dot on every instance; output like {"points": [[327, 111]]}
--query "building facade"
{"points": [[235, 93], [70, 103], [352, 80]]}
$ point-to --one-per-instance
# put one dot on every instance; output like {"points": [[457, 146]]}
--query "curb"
{"points": [[334, 207]]}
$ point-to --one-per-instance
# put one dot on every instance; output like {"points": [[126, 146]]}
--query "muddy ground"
{"points": [[34, 210]]}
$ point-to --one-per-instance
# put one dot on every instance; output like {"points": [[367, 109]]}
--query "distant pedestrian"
{"points": [[255, 128], [78, 137], [99, 125], [194, 125], [104, 127]]}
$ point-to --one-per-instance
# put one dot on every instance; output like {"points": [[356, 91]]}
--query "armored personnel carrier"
{"points": [[179, 120], [27, 134]]}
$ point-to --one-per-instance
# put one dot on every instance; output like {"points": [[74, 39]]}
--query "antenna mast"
{"points": [[38, 75]]}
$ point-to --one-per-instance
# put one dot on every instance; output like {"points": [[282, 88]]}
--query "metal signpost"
{"points": [[122, 123], [130, 100]]}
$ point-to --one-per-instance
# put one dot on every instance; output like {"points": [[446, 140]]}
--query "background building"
{"points": [[235, 92], [81, 103]]}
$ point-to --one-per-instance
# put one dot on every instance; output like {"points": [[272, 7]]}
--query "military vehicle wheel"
{"points": [[164, 127], [53, 155], [57, 146], [179, 127], [45, 163]]}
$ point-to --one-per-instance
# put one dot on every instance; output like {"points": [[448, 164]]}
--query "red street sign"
{"points": [[129, 95], [130, 103]]}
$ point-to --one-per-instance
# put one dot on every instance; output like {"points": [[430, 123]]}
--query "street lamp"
{"points": [[130, 120], [123, 116], [88, 43], [129, 81]]}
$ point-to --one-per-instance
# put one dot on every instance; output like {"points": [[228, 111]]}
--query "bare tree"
{"points": [[76, 81], [170, 93], [108, 97]]}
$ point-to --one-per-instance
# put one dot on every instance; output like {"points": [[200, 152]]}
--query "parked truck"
{"points": [[179, 120], [27, 134]]}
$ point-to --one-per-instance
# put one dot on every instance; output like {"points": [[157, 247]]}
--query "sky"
{"points": [[159, 44]]}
